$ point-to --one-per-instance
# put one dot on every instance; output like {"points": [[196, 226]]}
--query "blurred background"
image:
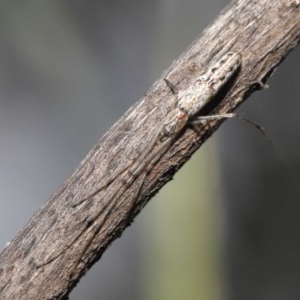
{"points": [[226, 227]]}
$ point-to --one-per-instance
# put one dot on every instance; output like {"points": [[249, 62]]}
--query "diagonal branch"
{"points": [[49, 256]]}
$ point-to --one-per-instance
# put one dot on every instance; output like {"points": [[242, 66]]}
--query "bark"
{"points": [[62, 240]]}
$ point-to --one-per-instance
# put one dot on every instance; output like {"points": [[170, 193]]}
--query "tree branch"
{"points": [[61, 242]]}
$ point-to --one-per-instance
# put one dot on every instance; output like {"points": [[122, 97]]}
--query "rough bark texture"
{"points": [[263, 31]]}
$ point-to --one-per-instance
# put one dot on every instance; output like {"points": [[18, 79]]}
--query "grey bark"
{"points": [[263, 31]]}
